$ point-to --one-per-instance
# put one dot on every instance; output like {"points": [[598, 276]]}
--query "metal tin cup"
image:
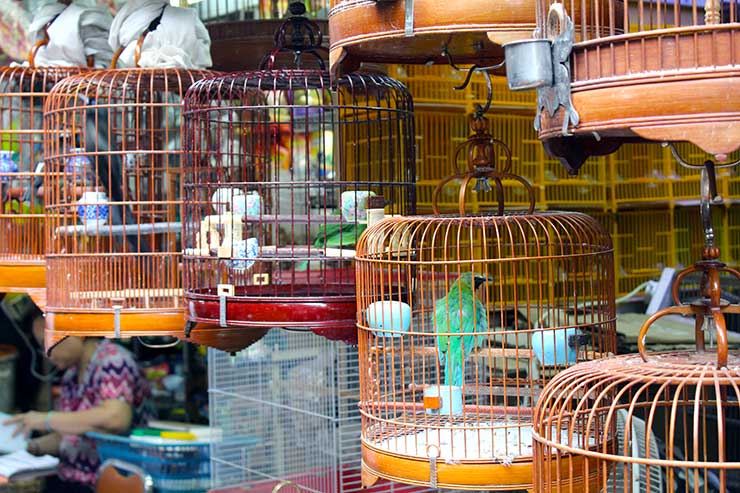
{"points": [[528, 64]]}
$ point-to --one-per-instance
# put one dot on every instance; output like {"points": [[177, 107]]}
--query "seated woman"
{"points": [[102, 389]]}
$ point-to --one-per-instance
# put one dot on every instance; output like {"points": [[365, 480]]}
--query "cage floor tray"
{"points": [[329, 311]]}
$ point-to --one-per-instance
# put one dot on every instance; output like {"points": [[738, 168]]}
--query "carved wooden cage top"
{"points": [[113, 179], [525, 295], [282, 167], [22, 94]]}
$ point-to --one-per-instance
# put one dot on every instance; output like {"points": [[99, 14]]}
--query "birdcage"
{"points": [[424, 31], [654, 70], [287, 410], [112, 193], [525, 294], [650, 423], [23, 90], [286, 170]]}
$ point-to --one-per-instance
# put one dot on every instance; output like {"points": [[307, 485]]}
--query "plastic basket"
{"points": [[182, 467]]}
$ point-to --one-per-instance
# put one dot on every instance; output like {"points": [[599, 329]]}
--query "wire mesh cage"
{"points": [[113, 178], [525, 294], [287, 409], [23, 90], [284, 170]]}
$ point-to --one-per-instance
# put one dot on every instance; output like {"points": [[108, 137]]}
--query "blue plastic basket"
{"points": [[181, 467]]}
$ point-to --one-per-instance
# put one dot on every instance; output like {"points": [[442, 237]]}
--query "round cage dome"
{"points": [[462, 321], [651, 422], [284, 166], [112, 192], [23, 90]]}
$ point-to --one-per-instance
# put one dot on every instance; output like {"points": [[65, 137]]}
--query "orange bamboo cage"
{"points": [[23, 90], [526, 294], [660, 70], [113, 204], [651, 422], [284, 168]]}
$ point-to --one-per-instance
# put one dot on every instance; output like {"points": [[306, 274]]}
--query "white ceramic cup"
{"points": [[450, 397], [249, 204], [383, 316]]}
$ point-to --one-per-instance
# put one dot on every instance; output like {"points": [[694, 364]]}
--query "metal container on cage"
{"points": [[23, 90], [284, 168], [112, 141], [462, 321]]}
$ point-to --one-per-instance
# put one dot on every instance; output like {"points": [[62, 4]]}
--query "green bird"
{"points": [[460, 311]]}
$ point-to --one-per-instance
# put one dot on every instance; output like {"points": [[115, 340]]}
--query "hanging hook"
{"points": [[471, 70]]}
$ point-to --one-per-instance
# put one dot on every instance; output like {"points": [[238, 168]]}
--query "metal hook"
{"points": [[471, 70], [158, 346], [686, 164]]}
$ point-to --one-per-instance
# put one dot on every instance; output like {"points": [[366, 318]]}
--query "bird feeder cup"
{"points": [[463, 319], [284, 167], [113, 204], [23, 90]]}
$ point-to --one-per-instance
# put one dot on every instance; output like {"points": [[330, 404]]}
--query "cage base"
{"points": [[468, 476], [226, 339], [704, 117], [140, 323], [20, 276], [332, 315]]}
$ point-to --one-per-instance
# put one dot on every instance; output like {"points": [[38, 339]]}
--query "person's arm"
{"points": [[47, 444], [112, 416]]}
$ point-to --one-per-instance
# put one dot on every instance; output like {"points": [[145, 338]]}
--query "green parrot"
{"points": [[451, 318]]}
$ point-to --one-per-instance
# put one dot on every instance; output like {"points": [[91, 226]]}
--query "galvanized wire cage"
{"points": [[525, 295], [287, 410], [283, 167], [23, 90], [112, 194]]}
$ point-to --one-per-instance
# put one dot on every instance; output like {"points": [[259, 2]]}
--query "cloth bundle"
{"points": [[180, 40], [77, 31]]}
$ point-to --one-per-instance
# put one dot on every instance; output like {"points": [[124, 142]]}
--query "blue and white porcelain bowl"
{"points": [[388, 318], [93, 209], [78, 168], [244, 253], [354, 205], [7, 165]]}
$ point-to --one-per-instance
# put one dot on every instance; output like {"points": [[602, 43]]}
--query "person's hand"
{"points": [[34, 447], [28, 422]]}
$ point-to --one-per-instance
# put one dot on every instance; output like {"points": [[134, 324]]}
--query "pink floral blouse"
{"points": [[111, 374]]}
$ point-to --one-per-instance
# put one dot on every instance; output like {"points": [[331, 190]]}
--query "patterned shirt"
{"points": [[112, 373]]}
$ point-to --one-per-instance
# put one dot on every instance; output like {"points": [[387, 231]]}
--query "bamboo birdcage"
{"points": [[649, 423], [455, 412], [658, 70], [282, 165], [23, 90], [113, 204]]}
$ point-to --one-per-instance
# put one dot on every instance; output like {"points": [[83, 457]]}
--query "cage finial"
{"points": [[709, 306], [298, 35], [480, 151]]}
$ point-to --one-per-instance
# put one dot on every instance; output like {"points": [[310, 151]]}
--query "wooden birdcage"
{"points": [[422, 31], [112, 148], [525, 294], [655, 70], [645, 423], [283, 166], [23, 90]]}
